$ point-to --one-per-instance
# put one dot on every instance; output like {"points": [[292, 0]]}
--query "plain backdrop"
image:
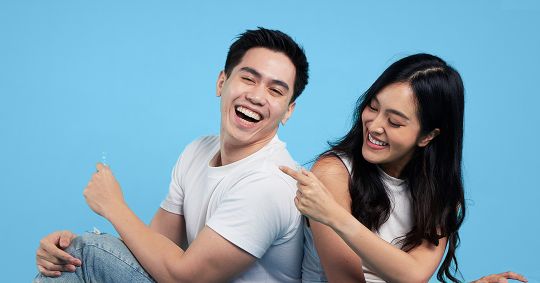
{"points": [[136, 80]]}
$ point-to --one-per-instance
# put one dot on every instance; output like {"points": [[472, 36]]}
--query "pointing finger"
{"points": [[298, 176]]}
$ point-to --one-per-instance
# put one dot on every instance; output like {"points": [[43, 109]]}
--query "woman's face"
{"points": [[391, 128]]}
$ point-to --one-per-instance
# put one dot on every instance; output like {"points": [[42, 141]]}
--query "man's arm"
{"points": [[52, 260], [210, 258], [170, 225]]}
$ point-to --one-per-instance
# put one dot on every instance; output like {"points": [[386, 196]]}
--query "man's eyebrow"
{"points": [[251, 71], [281, 83], [258, 75]]}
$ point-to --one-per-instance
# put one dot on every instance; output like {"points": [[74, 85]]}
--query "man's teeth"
{"points": [[371, 139], [248, 113]]}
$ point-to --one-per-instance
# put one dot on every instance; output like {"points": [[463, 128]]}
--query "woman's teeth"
{"points": [[372, 140]]}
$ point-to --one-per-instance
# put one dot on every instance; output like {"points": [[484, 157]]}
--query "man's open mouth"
{"points": [[247, 114]]}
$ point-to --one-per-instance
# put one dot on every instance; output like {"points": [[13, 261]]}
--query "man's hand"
{"points": [[501, 278], [103, 193], [51, 260]]}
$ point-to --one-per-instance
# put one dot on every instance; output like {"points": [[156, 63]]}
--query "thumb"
{"points": [[65, 239], [100, 166]]}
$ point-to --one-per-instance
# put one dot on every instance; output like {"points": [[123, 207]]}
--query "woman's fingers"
{"points": [[501, 278], [515, 276], [297, 175]]}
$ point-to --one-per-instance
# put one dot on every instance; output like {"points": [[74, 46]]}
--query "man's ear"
{"points": [[426, 139], [222, 77], [288, 113]]}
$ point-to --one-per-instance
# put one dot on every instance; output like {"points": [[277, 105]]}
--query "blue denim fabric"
{"points": [[104, 258]]}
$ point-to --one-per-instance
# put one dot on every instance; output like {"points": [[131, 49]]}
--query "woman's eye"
{"points": [[372, 108], [395, 125]]}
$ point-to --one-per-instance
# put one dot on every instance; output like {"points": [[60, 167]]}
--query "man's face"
{"points": [[255, 97]]}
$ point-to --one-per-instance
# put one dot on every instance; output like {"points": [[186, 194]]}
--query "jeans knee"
{"points": [[91, 241]]}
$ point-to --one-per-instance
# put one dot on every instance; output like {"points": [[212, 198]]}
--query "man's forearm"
{"points": [[155, 252]]}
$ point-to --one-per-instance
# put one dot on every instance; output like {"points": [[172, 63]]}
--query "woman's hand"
{"points": [[103, 193], [312, 198], [501, 278]]}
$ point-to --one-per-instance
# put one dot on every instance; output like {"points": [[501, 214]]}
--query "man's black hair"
{"points": [[274, 40]]}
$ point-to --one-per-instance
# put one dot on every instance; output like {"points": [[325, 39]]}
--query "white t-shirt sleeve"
{"points": [[174, 202], [254, 213]]}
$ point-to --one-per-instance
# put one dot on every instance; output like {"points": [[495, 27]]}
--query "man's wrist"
{"points": [[116, 212]]}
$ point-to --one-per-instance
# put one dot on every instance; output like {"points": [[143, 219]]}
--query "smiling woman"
{"points": [[391, 188]]}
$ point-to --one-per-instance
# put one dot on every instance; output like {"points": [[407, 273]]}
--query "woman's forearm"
{"points": [[387, 261]]}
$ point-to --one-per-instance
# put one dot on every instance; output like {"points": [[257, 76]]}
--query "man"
{"points": [[227, 199]]}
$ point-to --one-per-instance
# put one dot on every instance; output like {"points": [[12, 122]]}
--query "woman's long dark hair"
{"points": [[433, 174]]}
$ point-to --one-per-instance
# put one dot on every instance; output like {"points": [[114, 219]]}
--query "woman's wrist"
{"points": [[339, 219]]}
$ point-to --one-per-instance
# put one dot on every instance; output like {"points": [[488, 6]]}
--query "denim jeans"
{"points": [[104, 258]]}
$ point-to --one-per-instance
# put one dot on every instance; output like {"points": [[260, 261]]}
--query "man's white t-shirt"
{"points": [[248, 202]]}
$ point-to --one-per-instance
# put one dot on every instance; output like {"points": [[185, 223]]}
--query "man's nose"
{"points": [[256, 95]]}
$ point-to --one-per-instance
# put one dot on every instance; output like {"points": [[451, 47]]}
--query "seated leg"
{"points": [[105, 258]]}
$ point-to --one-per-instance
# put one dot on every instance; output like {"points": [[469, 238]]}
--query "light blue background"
{"points": [[136, 79]]}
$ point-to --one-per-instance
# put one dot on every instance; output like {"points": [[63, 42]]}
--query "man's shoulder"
{"points": [[203, 142], [266, 179], [200, 146]]}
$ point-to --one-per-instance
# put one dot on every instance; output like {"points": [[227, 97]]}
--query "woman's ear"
{"points": [[426, 139]]}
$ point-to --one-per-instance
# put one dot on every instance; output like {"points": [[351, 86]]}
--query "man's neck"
{"points": [[230, 153]]}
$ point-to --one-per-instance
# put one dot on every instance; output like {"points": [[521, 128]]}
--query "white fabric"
{"points": [[249, 203], [397, 225]]}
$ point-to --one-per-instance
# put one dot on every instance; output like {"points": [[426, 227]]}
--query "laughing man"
{"points": [[227, 198]]}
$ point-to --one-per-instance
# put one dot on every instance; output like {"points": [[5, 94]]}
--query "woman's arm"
{"points": [[339, 262], [388, 262]]}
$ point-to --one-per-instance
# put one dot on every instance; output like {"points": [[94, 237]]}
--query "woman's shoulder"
{"points": [[332, 164], [332, 171]]}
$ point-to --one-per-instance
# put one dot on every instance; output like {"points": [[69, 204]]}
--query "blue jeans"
{"points": [[105, 258]]}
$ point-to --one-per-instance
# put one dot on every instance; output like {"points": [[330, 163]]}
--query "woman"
{"points": [[389, 196]]}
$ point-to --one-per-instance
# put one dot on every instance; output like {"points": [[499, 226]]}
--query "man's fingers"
{"points": [[100, 167], [53, 251], [55, 267], [48, 273], [43, 255], [65, 239]]}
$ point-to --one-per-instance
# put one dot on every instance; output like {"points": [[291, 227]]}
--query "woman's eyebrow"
{"points": [[394, 111]]}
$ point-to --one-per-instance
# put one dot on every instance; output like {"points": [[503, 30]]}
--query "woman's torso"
{"points": [[398, 224]]}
